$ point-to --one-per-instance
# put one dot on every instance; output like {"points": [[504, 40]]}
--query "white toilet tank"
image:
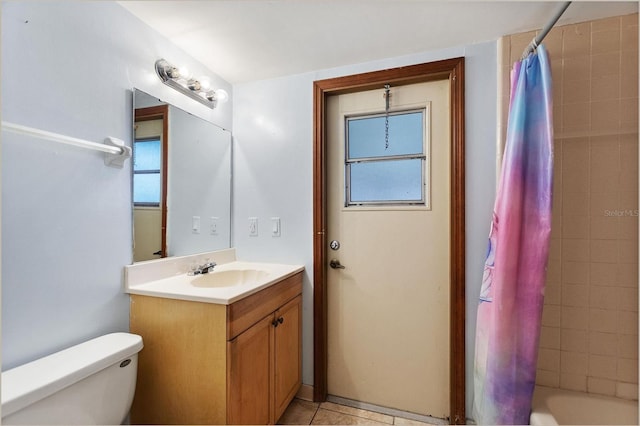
{"points": [[90, 383]]}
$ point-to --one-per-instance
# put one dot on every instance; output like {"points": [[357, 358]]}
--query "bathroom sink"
{"points": [[229, 278]]}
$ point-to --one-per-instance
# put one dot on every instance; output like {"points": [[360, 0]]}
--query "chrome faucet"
{"points": [[205, 268]]}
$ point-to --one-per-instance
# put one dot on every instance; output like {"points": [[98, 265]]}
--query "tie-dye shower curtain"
{"points": [[512, 293]]}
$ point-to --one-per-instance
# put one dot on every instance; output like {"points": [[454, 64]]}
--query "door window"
{"points": [[385, 159], [146, 172]]}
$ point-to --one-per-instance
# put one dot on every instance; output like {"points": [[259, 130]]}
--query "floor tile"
{"points": [[378, 417], [327, 417], [299, 412]]}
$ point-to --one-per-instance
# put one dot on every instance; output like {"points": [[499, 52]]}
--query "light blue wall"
{"points": [[69, 67], [273, 122]]}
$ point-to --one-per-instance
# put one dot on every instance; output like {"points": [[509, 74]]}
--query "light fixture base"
{"points": [[169, 75]]}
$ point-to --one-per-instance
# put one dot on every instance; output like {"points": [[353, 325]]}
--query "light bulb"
{"points": [[184, 73], [205, 84], [221, 95]]}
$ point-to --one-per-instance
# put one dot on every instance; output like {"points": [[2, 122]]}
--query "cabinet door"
{"points": [[288, 354], [248, 380]]}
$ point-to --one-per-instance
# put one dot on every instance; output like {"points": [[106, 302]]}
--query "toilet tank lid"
{"points": [[31, 382]]}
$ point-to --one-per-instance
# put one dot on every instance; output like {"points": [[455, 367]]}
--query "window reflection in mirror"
{"points": [[181, 182], [151, 137]]}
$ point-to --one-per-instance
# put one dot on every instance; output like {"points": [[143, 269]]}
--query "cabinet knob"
{"points": [[281, 320], [274, 323]]}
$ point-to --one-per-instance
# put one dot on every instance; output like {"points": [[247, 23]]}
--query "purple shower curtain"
{"points": [[512, 292]]}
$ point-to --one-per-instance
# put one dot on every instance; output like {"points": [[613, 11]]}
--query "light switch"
{"points": [[195, 224], [253, 226], [213, 225], [275, 226]]}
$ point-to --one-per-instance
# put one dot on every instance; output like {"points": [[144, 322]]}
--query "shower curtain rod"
{"points": [[545, 30]]}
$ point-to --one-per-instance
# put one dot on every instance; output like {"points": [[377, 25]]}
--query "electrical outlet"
{"points": [[195, 224], [253, 226]]}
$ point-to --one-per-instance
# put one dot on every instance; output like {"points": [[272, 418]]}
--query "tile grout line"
{"points": [[314, 414], [393, 418]]}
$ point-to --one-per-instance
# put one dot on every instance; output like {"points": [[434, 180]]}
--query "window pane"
{"points": [[390, 180], [366, 135], [146, 155], [146, 188]]}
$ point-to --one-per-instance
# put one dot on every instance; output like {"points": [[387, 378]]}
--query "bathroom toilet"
{"points": [[90, 383]]}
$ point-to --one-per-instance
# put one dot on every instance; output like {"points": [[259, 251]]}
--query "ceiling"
{"points": [[246, 40]]}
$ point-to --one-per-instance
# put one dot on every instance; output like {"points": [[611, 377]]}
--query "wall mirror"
{"points": [[181, 181]]}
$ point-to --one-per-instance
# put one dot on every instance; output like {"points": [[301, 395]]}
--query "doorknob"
{"points": [[335, 264]]}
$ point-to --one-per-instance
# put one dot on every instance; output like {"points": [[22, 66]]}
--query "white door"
{"points": [[388, 309]]}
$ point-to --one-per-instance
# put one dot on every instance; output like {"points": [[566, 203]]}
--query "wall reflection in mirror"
{"points": [[181, 182]]}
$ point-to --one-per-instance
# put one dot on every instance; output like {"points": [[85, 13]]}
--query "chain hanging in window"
{"points": [[387, 96]]}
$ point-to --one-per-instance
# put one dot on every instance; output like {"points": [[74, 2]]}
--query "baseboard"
{"points": [[305, 393], [388, 411]]}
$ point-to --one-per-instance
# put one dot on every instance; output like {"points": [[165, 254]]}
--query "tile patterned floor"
{"points": [[302, 412]]}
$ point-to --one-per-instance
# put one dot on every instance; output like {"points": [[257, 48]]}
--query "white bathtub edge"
{"points": [[542, 417], [553, 406], [540, 413]]}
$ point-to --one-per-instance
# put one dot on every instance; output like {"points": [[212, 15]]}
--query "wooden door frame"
{"points": [[159, 112], [449, 69]]}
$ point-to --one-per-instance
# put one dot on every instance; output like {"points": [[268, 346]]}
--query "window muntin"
{"points": [[146, 172], [377, 174]]}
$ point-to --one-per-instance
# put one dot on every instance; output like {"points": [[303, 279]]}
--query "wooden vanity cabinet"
{"points": [[204, 363], [287, 355], [264, 367]]}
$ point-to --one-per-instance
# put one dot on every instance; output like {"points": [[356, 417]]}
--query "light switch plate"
{"points": [[195, 224], [213, 225], [275, 226], [253, 226]]}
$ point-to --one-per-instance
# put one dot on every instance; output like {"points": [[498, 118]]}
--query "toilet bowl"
{"points": [[90, 383]]}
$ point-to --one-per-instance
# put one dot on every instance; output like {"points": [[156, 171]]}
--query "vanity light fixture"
{"points": [[180, 80]]}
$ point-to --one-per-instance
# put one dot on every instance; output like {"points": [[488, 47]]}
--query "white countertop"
{"points": [[179, 286]]}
